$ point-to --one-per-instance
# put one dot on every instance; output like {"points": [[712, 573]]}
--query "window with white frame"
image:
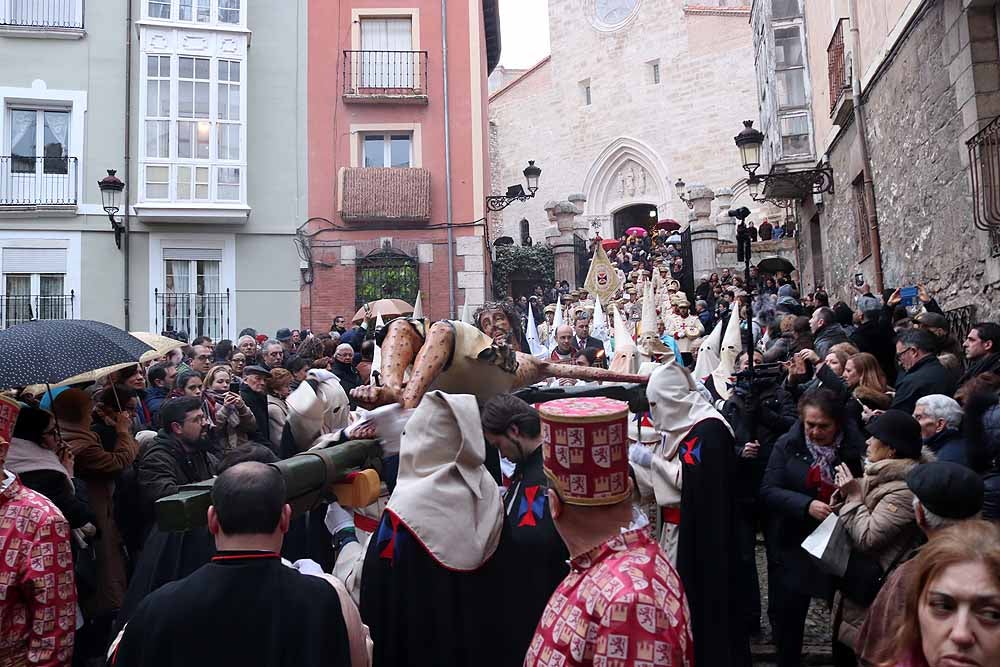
{"points": [[38, 140], [789, 65], [192, 299], [194, 135], [34, 285], [227, 12], [390, 149], [386, 59]]}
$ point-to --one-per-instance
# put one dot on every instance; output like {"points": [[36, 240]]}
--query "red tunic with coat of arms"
{"points": [[37, 591], [622, 605]]}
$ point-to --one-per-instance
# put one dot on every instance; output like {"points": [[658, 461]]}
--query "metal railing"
{"points": [[984, 165], [836, 65], [42, 13], [194, 314], [960, 321], [402, 73], [46, 181], [18, 309]]}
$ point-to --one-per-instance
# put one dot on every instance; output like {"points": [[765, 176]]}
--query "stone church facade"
{"points": [[635, 95]]}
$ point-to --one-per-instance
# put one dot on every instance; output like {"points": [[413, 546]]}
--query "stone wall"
{"points": [[637, 137], [916, 134]]}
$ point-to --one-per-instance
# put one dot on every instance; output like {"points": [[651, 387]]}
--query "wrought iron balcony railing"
{"points": [[837, 66], [195, 314], [385, 75], [42, 13], [37, 181], [18, 309]]}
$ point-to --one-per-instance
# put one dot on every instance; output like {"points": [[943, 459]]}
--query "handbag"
{"points": [[830, 545], [864, 577]]}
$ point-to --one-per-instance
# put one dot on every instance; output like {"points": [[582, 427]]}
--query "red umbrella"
{"points": [[668, 224], [639, 231], [610, 244]]}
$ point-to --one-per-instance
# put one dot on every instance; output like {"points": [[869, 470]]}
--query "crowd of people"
{"points": [[571, 528]]}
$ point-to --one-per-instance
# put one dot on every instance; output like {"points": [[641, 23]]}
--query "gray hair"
{"points": [[242, 338], [932, 521], [342, 347], [269, 342], [335, 336], [582, 316], [939, 406]]}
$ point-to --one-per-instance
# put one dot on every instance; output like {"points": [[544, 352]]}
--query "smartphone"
{"points": [[908, 295], [859, 279]]}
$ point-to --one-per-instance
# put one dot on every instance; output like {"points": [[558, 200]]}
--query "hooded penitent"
{"points": [[649, 342], [730, 349], [708, 354], [626, 358], [317, 406], [707, 557], [443, 493]]}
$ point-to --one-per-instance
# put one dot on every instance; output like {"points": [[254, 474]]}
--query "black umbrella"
{"points": [[49, 351], [775, 264]]}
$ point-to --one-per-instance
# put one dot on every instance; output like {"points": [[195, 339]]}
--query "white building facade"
{"points": [[199, 106]]}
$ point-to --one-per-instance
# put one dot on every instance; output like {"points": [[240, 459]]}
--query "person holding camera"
{"points": [[760, 410], [231, 419]]}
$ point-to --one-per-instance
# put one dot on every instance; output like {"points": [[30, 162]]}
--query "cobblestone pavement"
{"points": [[817, 640]]}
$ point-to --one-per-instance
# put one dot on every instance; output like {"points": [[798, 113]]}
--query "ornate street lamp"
{"points": [[516, 192], [680, 187], [111, 189], [780, 187], [749, 142]]}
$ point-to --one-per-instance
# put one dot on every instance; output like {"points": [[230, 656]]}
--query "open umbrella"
{"points": [[387, 308], [610, 244], [638, 231], [49, 351], [774, 265], [669, 225], [160, 344]]}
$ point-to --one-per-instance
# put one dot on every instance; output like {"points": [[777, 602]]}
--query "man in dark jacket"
{"points": [[253, 391], [982, 349], [924, 373], [343, 368], [940, 418], [826, 331], [180, 453], [937, 325], [245, 606]]}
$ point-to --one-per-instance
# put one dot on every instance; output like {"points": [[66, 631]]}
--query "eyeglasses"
{"points": [[899, 355]]}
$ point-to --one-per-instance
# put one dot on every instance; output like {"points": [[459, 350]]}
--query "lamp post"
{"points": [[780, 187], [516, 192], [680, 187], [111, 189]]}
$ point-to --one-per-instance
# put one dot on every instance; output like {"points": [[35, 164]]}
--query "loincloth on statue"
{"points": [[475, 365]]}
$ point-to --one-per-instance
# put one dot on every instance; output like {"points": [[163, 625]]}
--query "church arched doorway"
{"points": [[637, 215]]}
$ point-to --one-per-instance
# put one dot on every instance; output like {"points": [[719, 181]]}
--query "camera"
{"points": [[763, 377]]}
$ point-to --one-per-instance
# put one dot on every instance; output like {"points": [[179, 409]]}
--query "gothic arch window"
{"points": [[386, 273]]}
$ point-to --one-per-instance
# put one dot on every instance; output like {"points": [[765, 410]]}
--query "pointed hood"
{"points": [[535, 346], [728, 351], [599, 328], [708, 354], [675, 403], [649, 342], [626, 359], [556, 323], [418, 308]]}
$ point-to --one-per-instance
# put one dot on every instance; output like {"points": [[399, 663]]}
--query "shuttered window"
{"points": [[193, 254], [34, 260]]}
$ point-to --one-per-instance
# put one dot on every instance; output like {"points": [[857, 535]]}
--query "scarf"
{"points": [[821, 472], [27, 456]]}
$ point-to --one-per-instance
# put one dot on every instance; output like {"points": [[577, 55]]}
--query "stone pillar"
{"points": [[559, 237], [580, 225], [704, 235], [725, 225]]}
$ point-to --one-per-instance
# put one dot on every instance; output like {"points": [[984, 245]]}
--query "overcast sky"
{"points": [[524, 32]]}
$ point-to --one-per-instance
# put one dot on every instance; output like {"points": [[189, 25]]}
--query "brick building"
{"points": [[390, 213]]}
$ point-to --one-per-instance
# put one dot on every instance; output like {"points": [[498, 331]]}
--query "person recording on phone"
{"points": [[231, 421]]}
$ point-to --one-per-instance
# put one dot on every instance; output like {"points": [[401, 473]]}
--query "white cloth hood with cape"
{"points": [[443, 493]]}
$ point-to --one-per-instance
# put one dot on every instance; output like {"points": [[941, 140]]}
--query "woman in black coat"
{"points": [[796, 491]]}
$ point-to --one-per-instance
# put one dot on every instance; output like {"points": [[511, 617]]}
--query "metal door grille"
{"points": [[387, 273]]}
